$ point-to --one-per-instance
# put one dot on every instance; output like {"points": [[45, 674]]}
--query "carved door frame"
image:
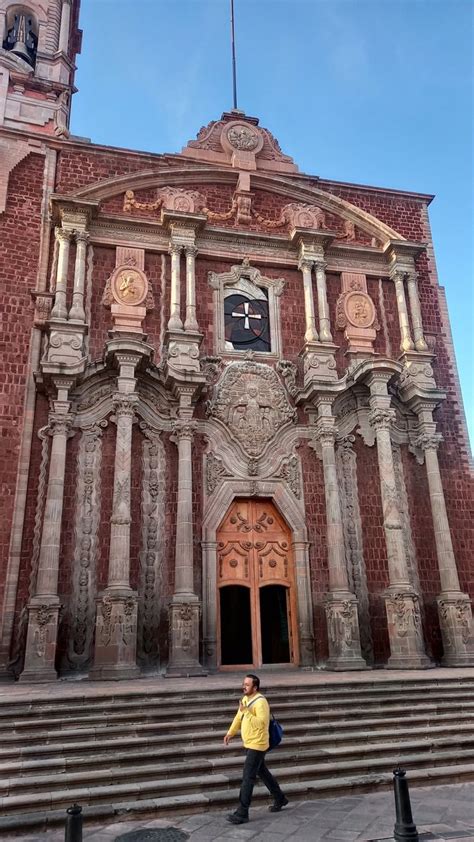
{"points": [[254, 551], [292, 513]]}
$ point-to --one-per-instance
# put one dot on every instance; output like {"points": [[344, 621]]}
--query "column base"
{"points": [[116, 636], [405, 630], [319, 364], [455, 620], [343, 632], [306, 651], [41, 639], [184, 639]]}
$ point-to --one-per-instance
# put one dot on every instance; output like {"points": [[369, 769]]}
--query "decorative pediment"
{"points": [[240, 141], [252, 403]]}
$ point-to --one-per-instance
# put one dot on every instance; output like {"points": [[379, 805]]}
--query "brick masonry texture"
{"points": [[19, 256], [19, 252]]}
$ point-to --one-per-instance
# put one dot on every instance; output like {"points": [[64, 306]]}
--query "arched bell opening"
{"points": [[20, 36]]}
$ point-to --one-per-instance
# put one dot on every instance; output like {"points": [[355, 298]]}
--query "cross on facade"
{"points": [[246, 315]]}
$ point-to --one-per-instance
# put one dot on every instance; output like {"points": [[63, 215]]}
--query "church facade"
{"points": [[233, 430]]}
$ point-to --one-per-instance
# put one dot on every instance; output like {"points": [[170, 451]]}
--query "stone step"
{"points": [[385, 691], [43, 819], [186, 785], [451, 750], [95, 739], [42, 728]]}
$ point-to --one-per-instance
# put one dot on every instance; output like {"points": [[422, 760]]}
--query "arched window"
{"points": [[21, 34]]}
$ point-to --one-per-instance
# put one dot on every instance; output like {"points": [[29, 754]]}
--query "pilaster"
{"points": [[401, 601], [43, 608], [116, 619], [185, 608], [454, 606], [340, 603]]}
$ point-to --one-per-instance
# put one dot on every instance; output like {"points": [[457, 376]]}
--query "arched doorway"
{"points": [[256, 602]]}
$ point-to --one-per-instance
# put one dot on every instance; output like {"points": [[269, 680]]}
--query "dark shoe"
{"points": [[234, 818], [276, 807]]}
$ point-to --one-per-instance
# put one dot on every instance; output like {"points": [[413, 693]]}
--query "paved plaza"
{"points": [[440, 813]]}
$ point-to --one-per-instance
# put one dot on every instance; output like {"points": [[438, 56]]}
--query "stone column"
{"points": [[77, 312], [65, 26], [175, 322], [116, 622], [305, 605], [418, 335], [406, 343], [184, 610], [454, 607], [340, 603], [191, 321], [59, 310], [43, 609], [311, 334], [401, 601], [325, 334]]}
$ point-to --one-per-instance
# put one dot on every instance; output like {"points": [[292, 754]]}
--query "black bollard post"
{"points": [[404, 827], [73, 824]]}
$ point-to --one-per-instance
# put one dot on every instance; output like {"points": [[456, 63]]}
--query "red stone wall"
{"points": [[373, 537], [313, 484], [19, 251]]}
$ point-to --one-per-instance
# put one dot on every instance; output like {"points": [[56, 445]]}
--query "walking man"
{"points": [[253, 719]]}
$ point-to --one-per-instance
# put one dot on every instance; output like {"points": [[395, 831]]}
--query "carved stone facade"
{"points": [[210, 333]]}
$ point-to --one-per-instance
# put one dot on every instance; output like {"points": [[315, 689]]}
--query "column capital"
{"points": [[175, 248], [428, 441], [381, 418], [62, 235], [82, 236], [305, 264], [190, 250], [60, 423], [124, 405], [320, 264], [325, 434], [183, 429]]}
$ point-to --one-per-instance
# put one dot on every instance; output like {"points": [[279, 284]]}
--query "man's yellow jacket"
{"points": [[252, 723]]}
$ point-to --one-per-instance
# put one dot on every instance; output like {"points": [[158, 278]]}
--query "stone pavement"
{"points": [[440, 813]]}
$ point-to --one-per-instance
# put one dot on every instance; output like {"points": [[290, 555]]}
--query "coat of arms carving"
{"points": [[251, 401]]}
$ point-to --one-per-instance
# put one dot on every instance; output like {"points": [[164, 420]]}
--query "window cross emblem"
{"points": [[246, 315]]}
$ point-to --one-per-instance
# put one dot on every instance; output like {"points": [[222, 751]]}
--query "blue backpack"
{"points": [[275, 730]]}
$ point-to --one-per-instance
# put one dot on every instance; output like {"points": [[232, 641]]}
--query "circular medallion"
{"points": [[241, 137], [359, 309], [129, 286]]}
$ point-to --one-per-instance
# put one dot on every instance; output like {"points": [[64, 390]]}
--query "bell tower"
{"points": [[39, 41]]}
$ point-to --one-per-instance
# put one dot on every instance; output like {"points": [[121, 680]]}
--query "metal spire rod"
{"points": [[234, 71]]}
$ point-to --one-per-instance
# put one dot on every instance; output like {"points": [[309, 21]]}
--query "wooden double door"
{"points": [[256, 609]]}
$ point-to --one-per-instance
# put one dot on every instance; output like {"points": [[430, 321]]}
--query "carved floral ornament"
{"points": [[251, 402], [241, 210]]}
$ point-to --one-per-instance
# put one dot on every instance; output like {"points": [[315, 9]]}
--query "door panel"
{"points": [[254, 551]]}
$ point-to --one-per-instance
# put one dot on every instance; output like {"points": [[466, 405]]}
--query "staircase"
{"points": [[159, 750]]}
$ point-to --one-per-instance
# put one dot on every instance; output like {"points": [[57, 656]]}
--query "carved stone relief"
{"points": [[355, 313], [215, 472], [405, 518], [251, 401], [152, 545], [290, 472], [346, 461], [20, 639], [87, 520]]}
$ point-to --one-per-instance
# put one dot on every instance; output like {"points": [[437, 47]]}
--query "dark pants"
{"points": [[254, 767]]}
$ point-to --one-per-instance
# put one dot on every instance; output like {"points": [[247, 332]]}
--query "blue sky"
{"points": [[367, 91]]}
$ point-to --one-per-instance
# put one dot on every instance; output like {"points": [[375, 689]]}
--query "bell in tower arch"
{"points": [[21, 39]]}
